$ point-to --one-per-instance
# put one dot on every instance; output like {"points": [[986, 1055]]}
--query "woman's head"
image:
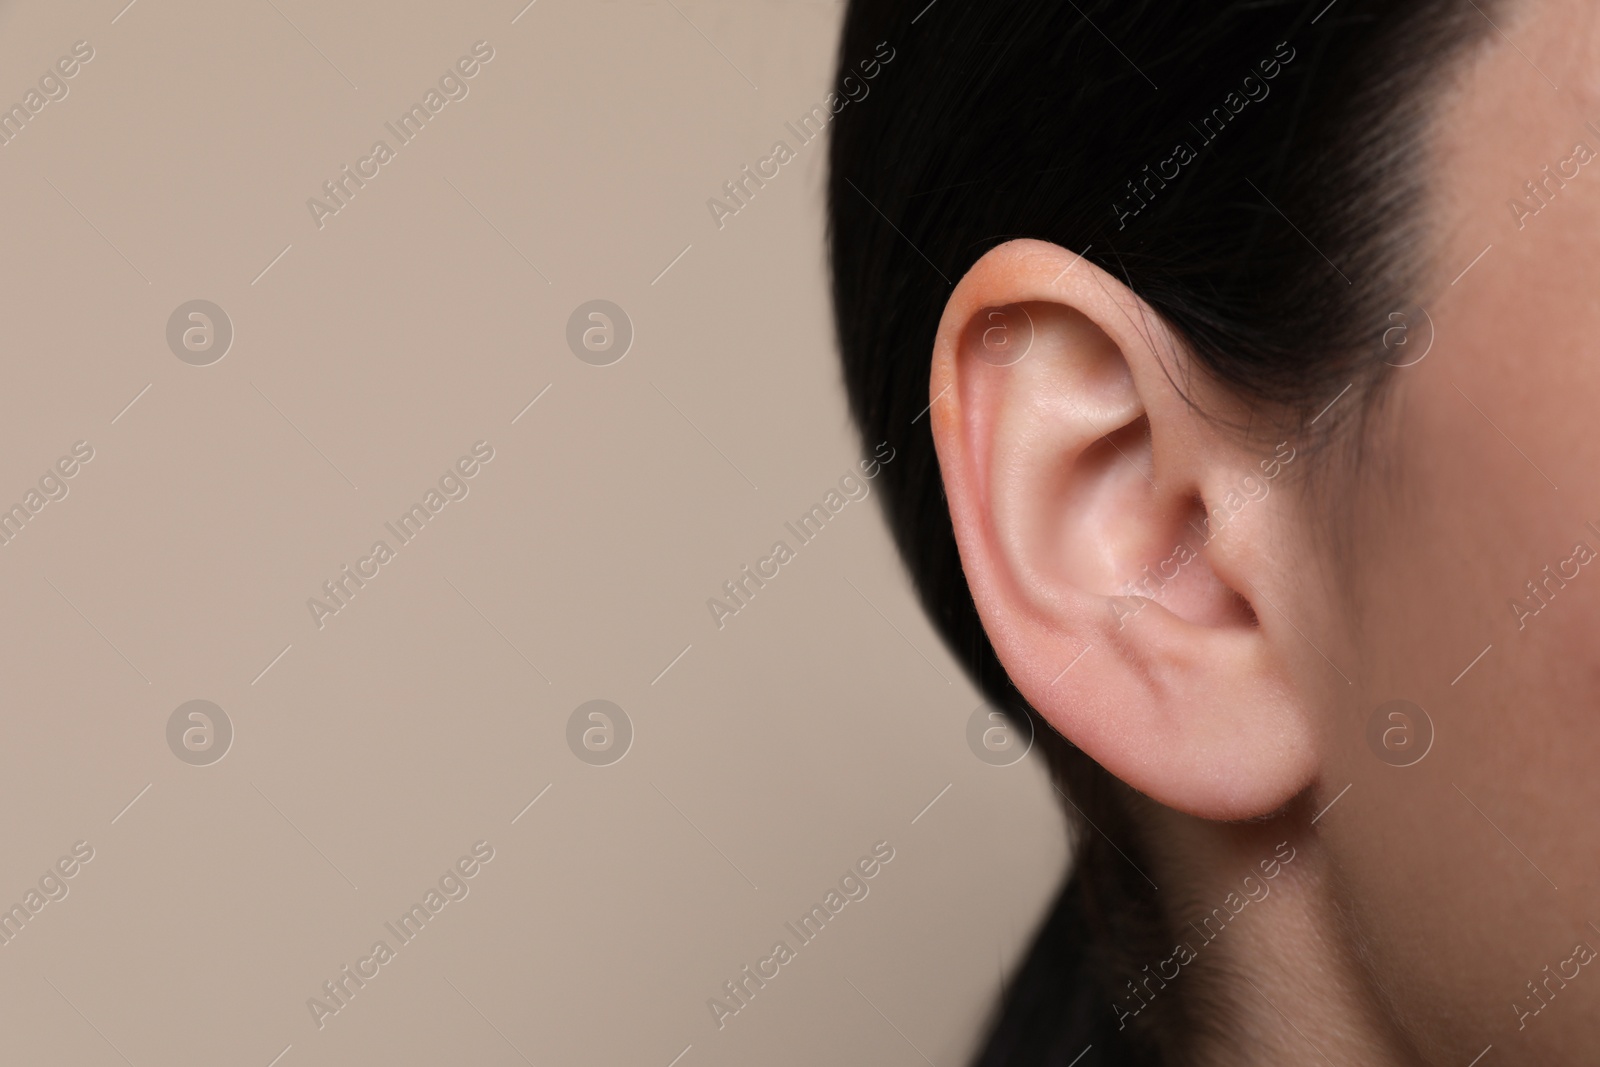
{"points": [[1238, 350]]}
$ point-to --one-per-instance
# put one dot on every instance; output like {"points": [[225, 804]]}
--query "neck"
{"points": [[1269, 973]]}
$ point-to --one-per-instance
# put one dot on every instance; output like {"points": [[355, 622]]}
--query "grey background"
{"points": [[369, 755]]}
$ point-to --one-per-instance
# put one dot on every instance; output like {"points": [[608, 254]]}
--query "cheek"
{"points": [[1454, 514]]}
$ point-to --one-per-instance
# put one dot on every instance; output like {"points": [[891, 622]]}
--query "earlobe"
{"points": [[1080, 485]]}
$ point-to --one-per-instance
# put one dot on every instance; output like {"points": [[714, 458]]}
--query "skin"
{"points": [[1235, 701]]}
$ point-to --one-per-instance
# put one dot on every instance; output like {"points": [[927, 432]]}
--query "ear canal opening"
{"points": [[1248, 612], [1199, 594]]}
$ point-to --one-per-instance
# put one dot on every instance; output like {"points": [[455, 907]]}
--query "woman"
{"points": [[1238, 351]]}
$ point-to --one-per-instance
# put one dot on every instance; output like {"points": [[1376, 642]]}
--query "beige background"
{"points": [[429, 712]]}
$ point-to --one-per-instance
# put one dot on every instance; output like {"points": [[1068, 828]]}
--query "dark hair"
{"points": [[1294, 225]]}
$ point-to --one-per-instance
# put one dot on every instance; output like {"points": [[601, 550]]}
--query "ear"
{"points": [[1115, 539]]}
